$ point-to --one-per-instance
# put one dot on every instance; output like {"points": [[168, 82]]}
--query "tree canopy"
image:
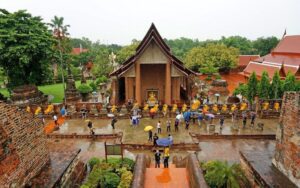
{"points": [[263, 46], [127, 51], [211, 58], [25, 48]]}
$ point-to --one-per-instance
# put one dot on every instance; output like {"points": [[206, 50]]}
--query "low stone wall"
{"points": [[224, 136], [180, 146], [195, 173], [117, 136], [141, 163], [74, 174]]}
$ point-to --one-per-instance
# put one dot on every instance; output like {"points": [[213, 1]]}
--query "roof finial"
{"points": [[284, 34]]}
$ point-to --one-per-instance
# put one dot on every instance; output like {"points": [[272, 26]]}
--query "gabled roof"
{"points": [[289, 44], [245, 59], [259, 68], [152, 35]]}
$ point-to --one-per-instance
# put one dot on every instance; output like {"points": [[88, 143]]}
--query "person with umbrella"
{"points": [[157, 159], [252, 116], [244, 115], [187, 124]]}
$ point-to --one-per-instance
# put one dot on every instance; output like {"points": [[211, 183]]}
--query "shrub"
{"points": [[218, 77], [220, 174], [84, 88], [128, 163], [126, 179], [208, 78], [102, 79], [111, 180], [94, 178], [93, 161], [115, 162], [93, 86]]}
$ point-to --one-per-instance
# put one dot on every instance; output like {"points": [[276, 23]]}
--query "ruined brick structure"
{"points": [[287, 154], [23, 150]]}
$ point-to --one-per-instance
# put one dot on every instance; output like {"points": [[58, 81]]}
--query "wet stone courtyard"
{"points": [[221, 149]]}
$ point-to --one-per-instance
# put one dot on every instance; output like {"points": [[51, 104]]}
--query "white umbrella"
{"points": [[210, 115], [179, 116]]}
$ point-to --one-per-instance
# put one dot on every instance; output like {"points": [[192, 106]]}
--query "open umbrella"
{"points": [[187, 115], [110, 115], [87, 120], [210, 115], [179, 116], [163, 142], [148, 128]]}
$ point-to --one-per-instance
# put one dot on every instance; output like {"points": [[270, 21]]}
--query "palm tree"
{"points": [[60, 32]]}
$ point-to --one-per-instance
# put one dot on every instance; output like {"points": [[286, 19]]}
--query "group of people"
{"points": [[166, 156]]}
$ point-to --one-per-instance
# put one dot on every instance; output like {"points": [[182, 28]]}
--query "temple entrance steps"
{"points": [[171, 177]]}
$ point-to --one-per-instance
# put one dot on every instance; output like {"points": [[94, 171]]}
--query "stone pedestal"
{"points": [[28, 95], [287, 153], [72, 95]]}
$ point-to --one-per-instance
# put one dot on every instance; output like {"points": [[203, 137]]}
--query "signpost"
{"points": [[116, 149]]}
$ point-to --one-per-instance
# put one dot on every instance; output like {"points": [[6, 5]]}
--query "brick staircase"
{"points": [[171, 177]]}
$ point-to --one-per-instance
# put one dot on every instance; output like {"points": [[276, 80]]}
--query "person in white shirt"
{"points": [[158, 126]]}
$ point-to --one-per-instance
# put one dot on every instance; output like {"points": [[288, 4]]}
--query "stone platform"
{"points": [[56, 172], [260, 170]]}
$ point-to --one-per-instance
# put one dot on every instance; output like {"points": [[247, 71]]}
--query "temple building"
{"points": [[284, 58], [152, 75]]}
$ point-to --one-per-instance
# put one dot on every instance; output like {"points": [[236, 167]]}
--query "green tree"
{"points": [[289, 83], [263, 46], [252, 87], [243, 44], [213, 55], [241, 89], [25, 48], [127, 51], [83, 42], [181, 46], [102, 66], [264, 86], [275, 88]]}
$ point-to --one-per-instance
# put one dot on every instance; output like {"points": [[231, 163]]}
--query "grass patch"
{"points": [[56, 90]]}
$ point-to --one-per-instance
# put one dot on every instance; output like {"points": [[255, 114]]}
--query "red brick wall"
{"points": [[23, 149], [287, 154]]}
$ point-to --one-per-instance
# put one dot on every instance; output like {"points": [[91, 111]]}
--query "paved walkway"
{"points": [[166, 177], [138, 135]]}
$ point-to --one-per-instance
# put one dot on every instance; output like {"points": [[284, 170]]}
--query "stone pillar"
{"points": [[287, 153], [168, 84], [138, 83], [126, 89], [115, 91]]}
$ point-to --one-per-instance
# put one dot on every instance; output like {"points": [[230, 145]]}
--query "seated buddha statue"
{"points": [[152, 99]]}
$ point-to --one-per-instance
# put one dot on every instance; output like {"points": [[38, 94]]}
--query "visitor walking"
{"points": [[155, 138], [55, 121], [150, 136], [221, 122], [168, 125], [253, 117], [176, 125], [187, 124], [113, 121], [244, 119], [170, 137], [158, 126], [157, 159], [166, 157], [200, 120]]}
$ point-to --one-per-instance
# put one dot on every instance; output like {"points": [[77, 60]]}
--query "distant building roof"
{"points": [[77, 51], [285, 58], [245, 59]]}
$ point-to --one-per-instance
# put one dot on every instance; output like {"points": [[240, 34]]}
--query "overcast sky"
{"points": [[120, 21]]}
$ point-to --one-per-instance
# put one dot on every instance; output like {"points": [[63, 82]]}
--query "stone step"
{"points": [[166, 177]]}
